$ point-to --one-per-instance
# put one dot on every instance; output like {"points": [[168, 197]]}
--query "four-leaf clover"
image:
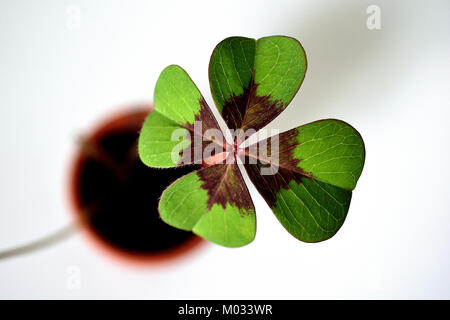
{"points": [[314, 167]]}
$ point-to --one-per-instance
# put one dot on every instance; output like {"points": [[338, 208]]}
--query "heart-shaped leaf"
{"points": [[313, 170], [214, 203], [181, 126], [253, 81]]}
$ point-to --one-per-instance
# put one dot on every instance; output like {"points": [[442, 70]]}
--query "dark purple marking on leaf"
{"points": [[286, 165], [225, 184], [248, 111], [269, 185], [194, 152]]}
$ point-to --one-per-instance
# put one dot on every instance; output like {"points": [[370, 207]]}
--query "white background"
{"points": [[57, 80]]}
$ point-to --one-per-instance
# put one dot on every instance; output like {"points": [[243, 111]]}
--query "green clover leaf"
{"points": [[310, 172]]}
